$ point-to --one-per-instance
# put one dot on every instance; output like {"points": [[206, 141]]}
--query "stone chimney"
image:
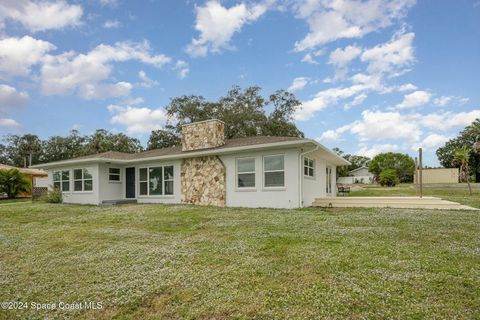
{"points": [[203, 135]]}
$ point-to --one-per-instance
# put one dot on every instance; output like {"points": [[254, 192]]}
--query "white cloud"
{"points": [[330, 20], [111, 24], [341, 57], [298, 84], [372, 151], [447, 120], [10, 97], [10, 124], [432, 141], [443, 101], [41, 15], [138, 120], [146, 81], [415, 99], [182, 68], [218, 24], [358, 100], [378, 125], [392, 58], [329, 135], [72, 73], [18, 55], [407, 87], [308, 58]]}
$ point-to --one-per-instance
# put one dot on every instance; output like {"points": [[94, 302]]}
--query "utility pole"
{"points": [[420, 171], [416, 177]]}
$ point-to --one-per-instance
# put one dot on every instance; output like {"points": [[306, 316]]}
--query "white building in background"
{"points": [[360, 175]]}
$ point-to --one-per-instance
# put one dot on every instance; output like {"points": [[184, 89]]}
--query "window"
{"points": [[82, 180], [328, 180], [61, 180], [114, 174], [156, 181], [246, 173], [274, 171], [309, 167]]}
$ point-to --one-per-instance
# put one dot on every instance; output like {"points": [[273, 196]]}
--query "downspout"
{"points": [[300, 175]]}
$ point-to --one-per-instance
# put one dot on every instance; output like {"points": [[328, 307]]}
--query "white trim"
{"points": [[163, 195], [119, 174], [279, 188], [314, 162], [237, 187], [82, 179], [61, 181]]}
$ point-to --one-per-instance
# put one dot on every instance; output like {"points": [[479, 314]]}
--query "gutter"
{"points": [[300, 175]]}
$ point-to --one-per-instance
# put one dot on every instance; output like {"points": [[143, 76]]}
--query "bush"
{"points": [[54, 196], [12, 182], [388, 178]]}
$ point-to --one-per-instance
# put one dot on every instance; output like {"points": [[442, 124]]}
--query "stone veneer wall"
{"points": [[203, 181], [203, 135]]}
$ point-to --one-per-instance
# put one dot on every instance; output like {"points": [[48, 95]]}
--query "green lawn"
{"points": [[460, 196], [184, 262]]}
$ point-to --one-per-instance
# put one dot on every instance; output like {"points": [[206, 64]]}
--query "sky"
{"points": [[373, 75]]}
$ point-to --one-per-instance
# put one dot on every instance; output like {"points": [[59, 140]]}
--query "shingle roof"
{"points": [[229, 143]]}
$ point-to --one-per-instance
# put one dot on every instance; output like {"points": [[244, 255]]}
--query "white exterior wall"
{"points": [[111, 190], [82, 197], [41, 181], [285, 197], [317, 186]]}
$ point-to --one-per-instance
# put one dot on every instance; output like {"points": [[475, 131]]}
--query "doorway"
{"points": [[129, 183]]}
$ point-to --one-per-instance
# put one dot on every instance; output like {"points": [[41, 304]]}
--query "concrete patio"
{"points": [[390, 202]]}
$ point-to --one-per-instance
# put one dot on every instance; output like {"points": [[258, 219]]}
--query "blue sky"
{"points": [[373, 76]]}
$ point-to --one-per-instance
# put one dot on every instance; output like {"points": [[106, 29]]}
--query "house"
{"points": [[359, 175], [207, 169], [38, 177]]}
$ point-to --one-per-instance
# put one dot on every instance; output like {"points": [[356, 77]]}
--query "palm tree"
{"points": [[12, 182], [462, 155]]}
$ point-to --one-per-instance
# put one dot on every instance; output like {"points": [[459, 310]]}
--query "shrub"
{"points": [[54, 196], [388, 177], [12, 182]]}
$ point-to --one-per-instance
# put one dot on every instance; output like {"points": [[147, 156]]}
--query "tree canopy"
{"points": [[403, 164], [467, 137]]}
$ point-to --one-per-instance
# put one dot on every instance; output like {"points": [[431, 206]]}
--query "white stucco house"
{"points": [[207, 169], [359, 175]]}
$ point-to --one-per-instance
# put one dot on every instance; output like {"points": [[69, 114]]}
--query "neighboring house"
{"points": [[38, 177], [439, 175], [276, 172], [359, 175]]}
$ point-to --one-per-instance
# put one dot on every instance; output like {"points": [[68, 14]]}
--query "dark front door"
{"points": [[130, 182]]}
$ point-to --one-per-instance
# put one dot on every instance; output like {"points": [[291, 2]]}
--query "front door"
{"points": [[130, 182]]}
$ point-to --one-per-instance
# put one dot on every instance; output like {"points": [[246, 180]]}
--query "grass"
{"points": [[460, 196], [184, 262], [16, 200]]}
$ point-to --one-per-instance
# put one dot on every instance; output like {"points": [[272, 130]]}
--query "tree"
{"points": [[58, 148], [162, 139], [102, 140], [12, 182], [356, 162], [403, 164], [462, 156], [244, 113], [23, 150], [467, 137]]}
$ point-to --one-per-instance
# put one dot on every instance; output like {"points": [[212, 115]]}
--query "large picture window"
{"points": [[309, 167], [246, 173], [114, 174], [82, 180], [156, 181], [274, 171], [61, 180]]}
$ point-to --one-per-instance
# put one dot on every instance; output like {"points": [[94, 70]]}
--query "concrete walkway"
{"points": [[390, 202]]}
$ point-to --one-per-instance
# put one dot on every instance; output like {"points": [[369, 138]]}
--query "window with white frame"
{"points": [[274, 171], [246, 173], [114, 174], [309, 167], [82, 180], [61, 180], [156, 181]]}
